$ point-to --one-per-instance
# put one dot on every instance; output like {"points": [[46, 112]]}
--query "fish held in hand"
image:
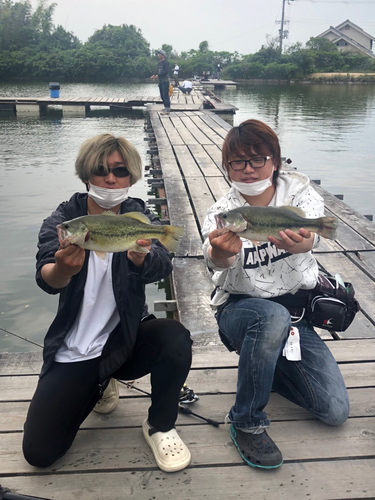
{"points": [[108, 232], [258, 223]]}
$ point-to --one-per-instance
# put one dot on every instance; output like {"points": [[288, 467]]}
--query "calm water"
{"points": [[327, 131]]}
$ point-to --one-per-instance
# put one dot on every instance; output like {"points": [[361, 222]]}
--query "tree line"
{"points": [[33, 48]]}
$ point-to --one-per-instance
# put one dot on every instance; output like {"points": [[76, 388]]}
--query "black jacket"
{"points": [[163, 71], [128, 286]]}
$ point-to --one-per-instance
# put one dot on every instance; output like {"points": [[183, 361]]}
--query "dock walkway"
{"points": [[110, 460], [82, 105]]}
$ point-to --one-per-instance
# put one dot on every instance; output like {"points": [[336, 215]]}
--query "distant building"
{"points": [[348, 36]]}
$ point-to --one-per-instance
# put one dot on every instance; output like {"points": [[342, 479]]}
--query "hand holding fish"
{"points": [[138, 257], [224, 247], [69, 261], [293, 242]]}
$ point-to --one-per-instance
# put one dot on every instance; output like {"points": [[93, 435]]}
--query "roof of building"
{"points": [[339, 35]]}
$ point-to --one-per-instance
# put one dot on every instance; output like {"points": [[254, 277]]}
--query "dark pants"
{"points": [[164, 94], [185, 90], [68, 392], [176, 82]]}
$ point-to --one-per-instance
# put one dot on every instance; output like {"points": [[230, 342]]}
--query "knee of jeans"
{"points": [[276, 323], [337, 412]]}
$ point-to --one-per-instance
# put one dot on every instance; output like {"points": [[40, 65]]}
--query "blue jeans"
{"points": [[164, 94], [258, 329]]}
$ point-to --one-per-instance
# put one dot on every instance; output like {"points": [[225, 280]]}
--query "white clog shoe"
{"points": [[110, 398], [170, 452]]}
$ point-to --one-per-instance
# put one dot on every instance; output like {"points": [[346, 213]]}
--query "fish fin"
{"points": [[327, 227], [108, 212], [139, 216], [101, 255], [139, 249], [171, 236], [256, 243], [296, 210]]}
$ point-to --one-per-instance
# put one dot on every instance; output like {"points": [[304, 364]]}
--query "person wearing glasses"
{"points": [[103, 331], [260, 292]]}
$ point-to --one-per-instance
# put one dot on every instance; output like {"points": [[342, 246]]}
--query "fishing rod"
{"points": [[213, 330], [186, 396], [6, 494], [22, 338]]}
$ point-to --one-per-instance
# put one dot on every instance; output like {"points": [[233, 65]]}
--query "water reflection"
{"points": [[327, 130]]}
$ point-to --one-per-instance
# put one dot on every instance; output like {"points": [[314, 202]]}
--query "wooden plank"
{"points": [[201, 197], [205, 163], [212, 356], [199, 134], [181, 214], [219, 186], [171, 132], [133, 411], [348, 215], [220, 121], [124, 448], [184, 132], [186, 161], [215, 153], [208, 131], [220, 130], [194, 301], [327, 480]]}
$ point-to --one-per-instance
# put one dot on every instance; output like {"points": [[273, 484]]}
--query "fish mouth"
{"points": [[62, 235], [220, 224]]}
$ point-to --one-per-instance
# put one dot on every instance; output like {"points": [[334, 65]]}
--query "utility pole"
{"points": [[283, 34]]}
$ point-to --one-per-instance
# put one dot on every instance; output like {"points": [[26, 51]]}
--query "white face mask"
{"points": [[253, 188], [107, 198]]}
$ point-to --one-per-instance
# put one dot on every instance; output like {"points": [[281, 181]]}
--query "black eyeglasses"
{"points": [[256, 162], [116, 171]]}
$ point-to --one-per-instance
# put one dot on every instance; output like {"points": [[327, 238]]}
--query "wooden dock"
{"points": [[217, 83], [110, 460], [80, 106]]}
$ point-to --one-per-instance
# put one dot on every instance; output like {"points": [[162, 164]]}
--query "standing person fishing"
{"points": [[261, 288], [102, 330], [163, 77]]}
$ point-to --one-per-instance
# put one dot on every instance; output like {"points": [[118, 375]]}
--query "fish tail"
{"points": [[171, 236], [327, 227]]}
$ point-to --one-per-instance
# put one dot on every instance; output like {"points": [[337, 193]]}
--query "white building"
{"points": [[348, 36]]}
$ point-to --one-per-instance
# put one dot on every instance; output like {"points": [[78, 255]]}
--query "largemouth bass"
{"points": [[108, 232], [257, 223]]}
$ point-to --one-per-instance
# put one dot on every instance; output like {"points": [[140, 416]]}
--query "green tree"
{"points": [[15, 27], [203, 46], [321, 44]]}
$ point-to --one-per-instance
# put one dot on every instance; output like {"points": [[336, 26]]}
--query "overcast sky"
{"points": [[232, 25]]}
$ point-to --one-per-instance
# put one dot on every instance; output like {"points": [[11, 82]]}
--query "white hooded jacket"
{"points": [[265, 271]]}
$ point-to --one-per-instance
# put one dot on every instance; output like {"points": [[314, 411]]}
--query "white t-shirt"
{"points": [[187, 84], [97, 317], [176, 69]]}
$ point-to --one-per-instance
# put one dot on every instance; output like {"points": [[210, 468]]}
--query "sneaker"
{"points": [[170, 452], [110, 398], [258, 450], [165, 112]]}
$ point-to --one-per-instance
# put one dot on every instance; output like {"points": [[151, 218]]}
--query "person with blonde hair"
{"points": [[103, 330]]}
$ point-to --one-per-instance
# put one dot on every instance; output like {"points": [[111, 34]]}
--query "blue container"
{"points": [[54, 89]]}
